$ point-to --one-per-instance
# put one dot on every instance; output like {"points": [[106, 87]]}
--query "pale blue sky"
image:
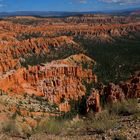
{"points": [[67, 5]]}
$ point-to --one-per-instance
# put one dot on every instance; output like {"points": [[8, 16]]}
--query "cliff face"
{"points": [[128, 89], [58, 82], [131, 88]]}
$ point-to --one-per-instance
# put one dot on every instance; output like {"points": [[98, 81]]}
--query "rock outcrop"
{"points": [[93, 101], [93, 19], [126, 90], [113, 93], [131, 88], [41, 57], [58, 82]]}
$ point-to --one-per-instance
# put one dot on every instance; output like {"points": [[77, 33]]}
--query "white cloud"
{"points": [[83, 1], [2, 5], [122, 2]]}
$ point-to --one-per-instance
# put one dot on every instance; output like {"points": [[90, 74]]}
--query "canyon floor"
{"points": [[125, 128]]}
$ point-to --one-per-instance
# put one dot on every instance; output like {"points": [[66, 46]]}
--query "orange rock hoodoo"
{"points": [[93, 101], [55, 82], [52, 39]]}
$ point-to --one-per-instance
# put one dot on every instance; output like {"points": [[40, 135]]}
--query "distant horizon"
{"points": [[67, 5], [125, 9]]}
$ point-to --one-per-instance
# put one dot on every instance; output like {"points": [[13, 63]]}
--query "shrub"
{"points": [[127, 107], [11, 127], [120, 137], [103, 121], [51, 126], [136, 116]]}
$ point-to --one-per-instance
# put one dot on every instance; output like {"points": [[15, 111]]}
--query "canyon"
{"points": [[52, 64], [27, 51]]}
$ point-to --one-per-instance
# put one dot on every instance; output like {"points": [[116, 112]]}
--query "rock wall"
{"points": [[57, 83]]}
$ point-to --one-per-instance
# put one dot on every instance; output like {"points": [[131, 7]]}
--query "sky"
{"points": [[66, 5]]}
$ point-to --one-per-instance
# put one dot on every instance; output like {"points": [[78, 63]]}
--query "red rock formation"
{"points": [[125, 90], [56, 82], [93, 19], [93, 101], [131, 88], [114, 93], [62, 80]]}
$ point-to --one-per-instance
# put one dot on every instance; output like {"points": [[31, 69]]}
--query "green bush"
{"points": [[126, 107], [120, 137], [51, 126], [11, 128], [103, 122]]}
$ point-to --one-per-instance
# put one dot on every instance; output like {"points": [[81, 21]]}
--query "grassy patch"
{"points": [[124, 108], [103, 122], [11, 128], [51, 126]]}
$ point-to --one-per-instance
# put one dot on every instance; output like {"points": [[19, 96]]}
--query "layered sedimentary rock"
{"points": [[125, 90], [131, 88], [37, 56], [7, 64], [16, 52], [58, 82]]}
